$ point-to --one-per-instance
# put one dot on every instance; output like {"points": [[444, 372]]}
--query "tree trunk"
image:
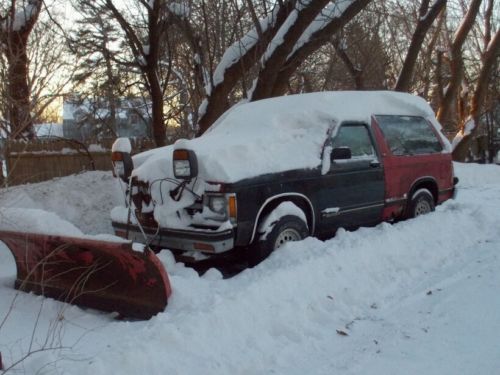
{"points": [[18, 88], [273, 63], [147, 61], [456, 64], [426, 19], [159, 130], [355, 72], [316, 40], [490, 60], [216, 102], [14, 43]]}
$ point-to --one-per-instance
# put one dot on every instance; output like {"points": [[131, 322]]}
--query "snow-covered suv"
{"points": [[281, 169]]}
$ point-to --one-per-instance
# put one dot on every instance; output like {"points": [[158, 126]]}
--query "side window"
{"points": [[409, 135], [357, 138]]}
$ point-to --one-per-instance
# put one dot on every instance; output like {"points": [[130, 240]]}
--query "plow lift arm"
{"points": [[103, 275]]}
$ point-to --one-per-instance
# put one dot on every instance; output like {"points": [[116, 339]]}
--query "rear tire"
{"points": [[287, 229], [421, 203]]}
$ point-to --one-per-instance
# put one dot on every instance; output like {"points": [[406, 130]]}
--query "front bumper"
{"points": [[176, 239]]}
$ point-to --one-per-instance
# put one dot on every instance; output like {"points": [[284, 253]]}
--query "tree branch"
{"points": [[424, 23], [316, 40]]}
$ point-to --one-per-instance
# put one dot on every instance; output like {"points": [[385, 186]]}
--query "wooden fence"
{"points": [[42, 160]]}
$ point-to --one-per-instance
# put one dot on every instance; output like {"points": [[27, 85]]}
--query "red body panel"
{"points": [[403, 173], [104, 275]]}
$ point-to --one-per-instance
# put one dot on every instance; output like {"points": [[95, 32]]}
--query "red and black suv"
{"points": [[281, 169]]}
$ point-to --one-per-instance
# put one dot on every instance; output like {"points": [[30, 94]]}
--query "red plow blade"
{"points": [[102, 275]]}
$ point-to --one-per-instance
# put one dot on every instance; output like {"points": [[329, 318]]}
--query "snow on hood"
{"points": [[279, 134]]}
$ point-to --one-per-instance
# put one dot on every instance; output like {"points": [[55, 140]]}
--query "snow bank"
{"points": [[30, 220], [471, 175], [84, 200], [416, 297], [36, 221]]}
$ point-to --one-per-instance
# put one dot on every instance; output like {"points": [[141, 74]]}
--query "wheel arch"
{"points": [[302, 201], [428, 183]]}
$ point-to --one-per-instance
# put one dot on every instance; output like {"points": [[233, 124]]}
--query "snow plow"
{"points": [[104, 275]]}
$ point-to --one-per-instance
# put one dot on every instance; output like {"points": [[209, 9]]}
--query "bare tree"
{"points": [[237, 61], [471, 126], [363, 59], [99, 73], [281, 41], [282, 45], [51, 68], [427, 15], [143, 24], [17, 20], [456, 63]]}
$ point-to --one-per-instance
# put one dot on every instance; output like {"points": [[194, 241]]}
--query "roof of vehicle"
{"points": [[284, 133]]}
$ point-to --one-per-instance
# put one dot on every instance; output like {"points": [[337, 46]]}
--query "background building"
{"points": [[91, 119]]}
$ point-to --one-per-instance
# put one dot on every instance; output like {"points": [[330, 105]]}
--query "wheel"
{"points": [[421, 203], [287, 229]]}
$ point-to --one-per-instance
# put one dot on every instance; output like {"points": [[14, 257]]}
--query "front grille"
{"points": [[196, 207], [146, 219]]}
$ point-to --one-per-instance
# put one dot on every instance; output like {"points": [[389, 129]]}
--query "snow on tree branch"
{"points": [[21, 17], [327, 15], [234, 53], [180, 10]]}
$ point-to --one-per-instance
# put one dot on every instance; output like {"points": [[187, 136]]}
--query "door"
{"points": [[413, 152], [352, 191]]}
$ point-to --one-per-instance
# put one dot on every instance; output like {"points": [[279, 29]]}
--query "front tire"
{"points": [[421, 203], [289, 228]]}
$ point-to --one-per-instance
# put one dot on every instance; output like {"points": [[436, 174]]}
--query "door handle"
{"points": [[374, 164]]}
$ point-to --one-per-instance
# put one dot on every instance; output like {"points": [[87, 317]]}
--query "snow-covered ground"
{"points": [[418, 297]]}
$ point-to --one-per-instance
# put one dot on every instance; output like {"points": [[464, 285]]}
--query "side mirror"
{"points": [[122, 165], [185, 164], [121, 159], [341, 153]]}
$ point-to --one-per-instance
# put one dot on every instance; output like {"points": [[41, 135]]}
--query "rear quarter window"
{"points": [[409, 135]]}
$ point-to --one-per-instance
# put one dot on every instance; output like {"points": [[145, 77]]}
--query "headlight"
{"points": [[185, 164], [182, 168], [221, 206], [217, 204]]}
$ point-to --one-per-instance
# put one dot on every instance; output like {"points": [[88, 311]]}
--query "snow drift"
{"points": [[420, 296]]}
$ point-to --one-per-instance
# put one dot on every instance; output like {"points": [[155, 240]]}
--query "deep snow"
{"points": [[260, 134], [417, 297]]}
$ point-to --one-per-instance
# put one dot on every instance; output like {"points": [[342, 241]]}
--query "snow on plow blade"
{"points": [[103, 275]]}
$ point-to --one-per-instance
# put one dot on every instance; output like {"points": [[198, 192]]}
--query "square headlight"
{"points": [[182, 168], [185, 164], [217, 204]]}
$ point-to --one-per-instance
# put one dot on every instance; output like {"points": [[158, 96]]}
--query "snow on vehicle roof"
{"points": [[280, 134]]}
